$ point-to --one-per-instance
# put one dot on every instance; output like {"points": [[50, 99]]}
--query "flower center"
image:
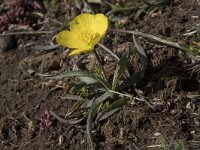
{"points": [[88, 36]]}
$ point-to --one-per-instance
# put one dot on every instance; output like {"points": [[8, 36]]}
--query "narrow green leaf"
{"points": [[91, 78], [141, 51], [121, 66], [139, 13], [75, 121], [107, 114], [103, 97], [92, 113], [88, 80], [114, 107], [132, 80], [71, 74], [87, 103]]}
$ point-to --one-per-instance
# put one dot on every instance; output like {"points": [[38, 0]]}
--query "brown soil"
{"points": [[168, 86]]}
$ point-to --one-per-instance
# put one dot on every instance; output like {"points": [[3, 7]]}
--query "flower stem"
{"points": [[101, 66]]}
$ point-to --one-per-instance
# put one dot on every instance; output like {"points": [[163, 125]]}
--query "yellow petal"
{"points": [[96, 40], [81, 23], [68, 39], [100, 24], [81, 50], [86, 30], [97, 23]]}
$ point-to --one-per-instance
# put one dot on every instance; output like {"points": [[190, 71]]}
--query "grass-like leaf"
{"points": [[132, 80], [87, 103], [160, 40], [107, 114], [86, 76], [140, 49], [75, 121], [121, 66], [114, 107], [92, 113], [103, 97]]}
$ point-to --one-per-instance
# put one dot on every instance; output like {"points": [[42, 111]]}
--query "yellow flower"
{"points": [[86, 30]]}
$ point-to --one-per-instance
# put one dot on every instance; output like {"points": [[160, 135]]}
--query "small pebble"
{"points": [[157, 134], [31, 72]]}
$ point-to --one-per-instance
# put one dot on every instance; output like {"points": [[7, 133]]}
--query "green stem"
{"points": [[101, 66]]}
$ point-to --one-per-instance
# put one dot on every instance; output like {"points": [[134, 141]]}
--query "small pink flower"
{"points": [[45, 120]]}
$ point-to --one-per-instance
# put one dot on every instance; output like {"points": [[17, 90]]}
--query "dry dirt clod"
{"points": [[7, 43]]}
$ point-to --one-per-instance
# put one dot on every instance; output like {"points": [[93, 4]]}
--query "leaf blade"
{"points": [[114, 107], [121, 66], [141, 50]]}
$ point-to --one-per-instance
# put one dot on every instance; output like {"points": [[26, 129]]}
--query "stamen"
{"points": [[88, 36]]}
